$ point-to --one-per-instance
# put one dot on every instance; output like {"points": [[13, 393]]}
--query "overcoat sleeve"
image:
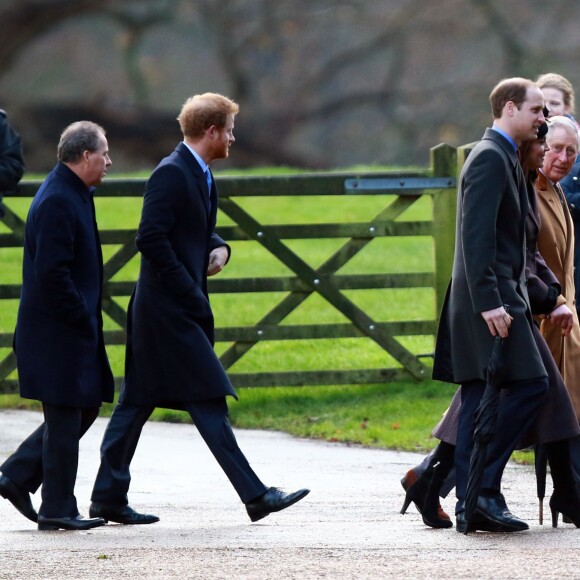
{"points": [[543, 287], [217, 242]]}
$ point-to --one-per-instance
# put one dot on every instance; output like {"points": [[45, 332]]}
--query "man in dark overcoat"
{"points": [[170, 361], [59, 343], [489, 275]]}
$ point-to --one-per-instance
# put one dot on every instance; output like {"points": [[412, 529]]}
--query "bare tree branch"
{"points": [[514, 48]]}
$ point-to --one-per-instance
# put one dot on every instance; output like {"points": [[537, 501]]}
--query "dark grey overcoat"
{"points": [[488, 270], [59, 343], [556, 419], [170, 358]]}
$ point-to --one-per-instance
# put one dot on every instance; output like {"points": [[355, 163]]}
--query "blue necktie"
{"points": [[208, 180]]}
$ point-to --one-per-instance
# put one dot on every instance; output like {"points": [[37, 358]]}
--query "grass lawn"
{"points": [[393, 416]]}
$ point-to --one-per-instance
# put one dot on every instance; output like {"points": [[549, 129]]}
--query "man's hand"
{"points": [[217, 260], [498, 321], [562, 316]]}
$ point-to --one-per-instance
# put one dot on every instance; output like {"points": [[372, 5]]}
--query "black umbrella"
{"points": [[541, 465], [484, 419]]}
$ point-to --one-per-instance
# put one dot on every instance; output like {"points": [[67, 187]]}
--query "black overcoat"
{"points": [[170, 358], [59, 343], [11, 162], [488, 269]]}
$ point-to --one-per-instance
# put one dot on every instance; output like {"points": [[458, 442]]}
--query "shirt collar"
{"points": [[202, 163], [504, 134]]}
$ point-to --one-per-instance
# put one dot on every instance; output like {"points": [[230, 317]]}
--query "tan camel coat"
{"points": [[556, 245]]}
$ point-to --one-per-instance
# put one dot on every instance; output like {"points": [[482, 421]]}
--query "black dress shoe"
{"points": [[495, 510], [492, 515], [18, 497], [69, 523], [273, 500], [478, 523], [120, 514]]}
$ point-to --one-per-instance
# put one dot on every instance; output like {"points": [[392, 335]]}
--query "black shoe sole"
{"points": [[112, 516], [125, 522], [485, 525], [51, 527]]}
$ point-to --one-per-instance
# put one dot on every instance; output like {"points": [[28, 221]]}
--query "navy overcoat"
{"points": [[170, 358], [59, 343]]}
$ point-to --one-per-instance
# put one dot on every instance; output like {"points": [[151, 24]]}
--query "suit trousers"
{"points": [[516, 412], [122, 435], [49, 456]]}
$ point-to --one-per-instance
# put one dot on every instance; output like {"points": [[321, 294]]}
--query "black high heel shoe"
{"points": [[409, 479], [566, 496], [424, 493], [567, 504]]}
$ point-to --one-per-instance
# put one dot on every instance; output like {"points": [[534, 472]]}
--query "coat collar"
{"points": [[74, 180], [191, 161], [503, 143], [542, 182]]}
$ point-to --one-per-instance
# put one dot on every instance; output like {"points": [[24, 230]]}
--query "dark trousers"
{"points": [[49, 456], [517, 410], [122, 435]]}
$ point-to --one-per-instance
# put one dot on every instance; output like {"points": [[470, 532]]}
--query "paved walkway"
{"points": [[348, 527]]}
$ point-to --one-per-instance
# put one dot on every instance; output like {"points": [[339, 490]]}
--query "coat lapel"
{"points": [[199, 176], [554, 205], [517, 173], [533, 223], [534, 214]]}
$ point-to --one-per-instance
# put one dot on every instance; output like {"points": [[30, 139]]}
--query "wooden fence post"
{"points": [[462, 153], [443, 164]]}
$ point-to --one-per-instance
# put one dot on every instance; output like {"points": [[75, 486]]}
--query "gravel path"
{"points": [[348, 527]]}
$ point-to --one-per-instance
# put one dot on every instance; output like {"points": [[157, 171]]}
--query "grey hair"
{"points": [[564, 123], [77, 138]]}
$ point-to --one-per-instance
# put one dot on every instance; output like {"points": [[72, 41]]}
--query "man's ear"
{"points": [[509, 108]]}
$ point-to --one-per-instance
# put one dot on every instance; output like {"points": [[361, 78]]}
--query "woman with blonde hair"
{"points": [[558, 95]]}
